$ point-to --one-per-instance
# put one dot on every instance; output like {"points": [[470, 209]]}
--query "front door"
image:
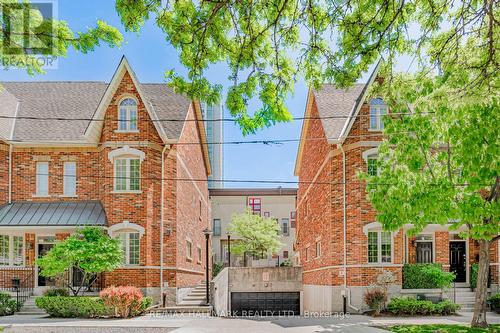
{"points": [[42, 250], [458, 260]]}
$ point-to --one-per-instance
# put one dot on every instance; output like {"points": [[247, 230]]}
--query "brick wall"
{"points": [[95, 181]]}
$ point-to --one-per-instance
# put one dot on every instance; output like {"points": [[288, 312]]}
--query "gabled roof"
{"points": [[61, 213], [82, 100], [337, 108]]}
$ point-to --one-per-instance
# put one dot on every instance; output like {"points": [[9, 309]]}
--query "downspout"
{"points": [[10, 173], [161, 218], [347, 291]]}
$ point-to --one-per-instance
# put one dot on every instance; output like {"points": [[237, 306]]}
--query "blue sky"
{"points": [[150, 55]]}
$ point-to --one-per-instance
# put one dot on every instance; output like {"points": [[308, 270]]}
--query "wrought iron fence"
{"points": [[19, 281]]}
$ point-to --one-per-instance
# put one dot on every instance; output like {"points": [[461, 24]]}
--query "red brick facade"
{"points": [[185, 196], [320, 207]]}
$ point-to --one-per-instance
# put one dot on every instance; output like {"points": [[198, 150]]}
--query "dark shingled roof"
{"points": [[61, 213], [76, 100], [332, 101]]}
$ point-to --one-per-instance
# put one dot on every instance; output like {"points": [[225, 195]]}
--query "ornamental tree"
{"points": [[269, 44], [440, 159], [89, 250], [26, 33], [257, 235]]}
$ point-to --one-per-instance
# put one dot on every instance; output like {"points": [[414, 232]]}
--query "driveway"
{"points": [[204, 324]]}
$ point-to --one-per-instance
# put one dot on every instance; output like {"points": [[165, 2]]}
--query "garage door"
{"points": [[265, 304]]}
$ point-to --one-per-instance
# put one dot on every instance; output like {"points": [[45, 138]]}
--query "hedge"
{"points": [[495, 303], [78, 307], [426, 276], [411, 306], [8, 305]]}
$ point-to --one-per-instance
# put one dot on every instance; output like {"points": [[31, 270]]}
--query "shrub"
{"points": [[122, 301], [72, 307], [474, 268], [426, 276], [217, 268], [286, 263], [411, 306], [495, 303], [56, 292], [8, 305], [375, 299]]}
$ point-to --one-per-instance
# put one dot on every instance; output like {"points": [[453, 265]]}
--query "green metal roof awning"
{"points": [[60, 213]]}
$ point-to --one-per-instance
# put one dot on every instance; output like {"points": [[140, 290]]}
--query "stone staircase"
{"points": [[29, 308], [464, 297], [194, 302]]}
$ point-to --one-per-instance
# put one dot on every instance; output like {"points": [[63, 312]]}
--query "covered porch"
{"points": [[28, 230]]}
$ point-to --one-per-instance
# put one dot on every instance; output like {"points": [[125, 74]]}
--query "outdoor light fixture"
{"points": [[228, 249]]}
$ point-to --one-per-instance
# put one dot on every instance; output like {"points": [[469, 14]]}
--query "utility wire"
{"points": [[196, 120]]}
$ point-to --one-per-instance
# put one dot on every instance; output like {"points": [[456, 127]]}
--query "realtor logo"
{"points": [[28, 31]]}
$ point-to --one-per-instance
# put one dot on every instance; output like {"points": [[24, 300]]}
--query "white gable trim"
{"points": [[125, 225], [93, 131], [369, 152], [126, 150], [356, 107]]}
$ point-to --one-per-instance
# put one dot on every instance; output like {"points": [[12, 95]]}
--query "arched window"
{"points": [[378, 109], [380, 243], [127, 115], [129, 235], [371, 158]]}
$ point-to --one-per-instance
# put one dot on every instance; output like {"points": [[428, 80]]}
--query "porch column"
{"points": [[29, 252]]}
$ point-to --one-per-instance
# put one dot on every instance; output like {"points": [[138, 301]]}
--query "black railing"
{"points": [[18, 281]]}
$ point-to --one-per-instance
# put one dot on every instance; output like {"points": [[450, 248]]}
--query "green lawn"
{"points": [[442, 329]]}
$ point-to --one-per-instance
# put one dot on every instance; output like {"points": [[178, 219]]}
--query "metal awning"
{"points": [[60, 213]]}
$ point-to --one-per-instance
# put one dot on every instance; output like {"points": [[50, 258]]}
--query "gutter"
{"points": [[161, 218], [346, 293]]}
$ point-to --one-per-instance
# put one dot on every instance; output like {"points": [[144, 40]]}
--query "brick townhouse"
{"points": [[342, 247], [134, 162]]}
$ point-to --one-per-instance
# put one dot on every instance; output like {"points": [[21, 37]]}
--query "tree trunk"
{"points": [[479, 318]]}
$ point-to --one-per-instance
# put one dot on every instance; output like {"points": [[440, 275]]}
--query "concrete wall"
{"points": [[251, 279]]}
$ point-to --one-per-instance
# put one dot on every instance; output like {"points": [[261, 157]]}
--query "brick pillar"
{"points": [[442, 246], [412, 250], [62, 236], [29, 252]]}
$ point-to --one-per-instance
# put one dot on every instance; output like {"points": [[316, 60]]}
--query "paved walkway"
{"points": [[206, 324]]}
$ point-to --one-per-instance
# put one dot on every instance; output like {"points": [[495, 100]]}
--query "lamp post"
{"points": [[228, 249], [207, 233]]}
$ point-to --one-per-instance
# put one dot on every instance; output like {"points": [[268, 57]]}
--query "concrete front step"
{"points": [[193, 302]]}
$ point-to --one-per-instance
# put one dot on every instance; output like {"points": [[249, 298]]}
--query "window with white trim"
{"points": [[42, 178], [130, 243], [378, 109], [216, 227], [69, 183], [11, 250], [379, 247], [127, 115], [189, 250], [127, 174]]}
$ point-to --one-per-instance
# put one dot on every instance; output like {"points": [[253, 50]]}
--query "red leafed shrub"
{"points": [[122, 301]]}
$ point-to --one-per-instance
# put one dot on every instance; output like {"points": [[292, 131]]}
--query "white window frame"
{"points": [[217, 227], [67, 177], [377, 105], [189, 254], [126, 246], [11, 254], [379, 247], [127, 121], [127, 174], [42, 176]]}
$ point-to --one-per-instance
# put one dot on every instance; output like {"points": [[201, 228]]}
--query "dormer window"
{"points": [[378, 109], [127, 115]]}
